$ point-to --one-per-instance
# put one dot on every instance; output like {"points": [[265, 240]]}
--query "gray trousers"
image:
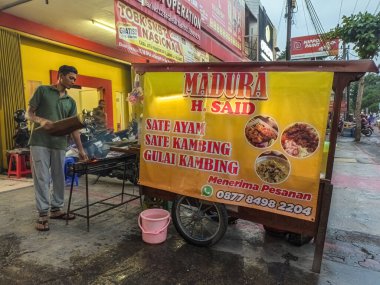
{"points": [[48, 166]]}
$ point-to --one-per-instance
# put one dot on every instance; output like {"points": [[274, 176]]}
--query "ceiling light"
{"points": [[104, 26], [170, 98]]}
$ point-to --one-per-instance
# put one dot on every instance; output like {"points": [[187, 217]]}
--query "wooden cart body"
{"points": [[344, 73]]}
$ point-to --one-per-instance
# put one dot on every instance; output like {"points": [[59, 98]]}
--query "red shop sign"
{"points": [[313, 46], [180, 15]]}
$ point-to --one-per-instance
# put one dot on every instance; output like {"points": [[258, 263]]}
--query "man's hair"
{"points": [[100, 101], [66, 69]]}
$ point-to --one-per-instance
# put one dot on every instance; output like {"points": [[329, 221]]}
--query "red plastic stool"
{"points": [[18, 164]]}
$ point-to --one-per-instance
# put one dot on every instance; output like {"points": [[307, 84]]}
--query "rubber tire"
{"points": [[298, 239], [221, 220], [367, 132], [231, 220], [273, 232]]}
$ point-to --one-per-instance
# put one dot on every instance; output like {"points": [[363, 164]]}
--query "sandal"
{"points": [[42, 225], [58, 215]]}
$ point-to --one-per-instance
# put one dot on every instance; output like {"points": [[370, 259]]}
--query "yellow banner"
{"points": [[243, 138]]}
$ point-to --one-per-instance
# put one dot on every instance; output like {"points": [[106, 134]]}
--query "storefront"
{"points": [[146, 31], [181, 31], [99, 78], [261, 35]]}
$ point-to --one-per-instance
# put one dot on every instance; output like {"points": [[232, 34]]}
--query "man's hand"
{"points": [[31, 116], [45, 124], [83, 156], [76, 136]]}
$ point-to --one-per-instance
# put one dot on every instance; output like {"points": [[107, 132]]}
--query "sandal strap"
{"points": [[42, 225]]}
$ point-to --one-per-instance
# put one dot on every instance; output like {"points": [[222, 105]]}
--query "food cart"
{"points": [[243, 139]]}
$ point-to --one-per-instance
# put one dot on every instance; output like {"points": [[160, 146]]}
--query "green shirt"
{"points": [[50, 105]]}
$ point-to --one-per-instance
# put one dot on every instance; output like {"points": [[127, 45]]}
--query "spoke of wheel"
{"points": [[210, 221], [209, 233], [209, 218], [190, 220], [208, 208], [205, 229], [190, 225], [200, 206], [192, 229], [188, 202], [185, 212], [187, 207]]}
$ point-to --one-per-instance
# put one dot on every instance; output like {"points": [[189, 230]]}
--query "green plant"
{"points": [[363, 31]]}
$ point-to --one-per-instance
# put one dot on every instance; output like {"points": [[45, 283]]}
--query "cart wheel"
{"points": [[274, 232], [199, 222], [214, 216], [367, 132], [232, 220], [298, 239]]}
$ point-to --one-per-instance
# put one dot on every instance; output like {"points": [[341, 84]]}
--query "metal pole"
{"points": [[289, 28], [347, 57], [322, 227], [344, 55]]}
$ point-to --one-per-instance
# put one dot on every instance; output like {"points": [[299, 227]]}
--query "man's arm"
{"points": [[76, 137], [31, 116]]}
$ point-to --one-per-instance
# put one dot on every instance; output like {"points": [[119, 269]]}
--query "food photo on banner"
{"points": [[253, 139]]}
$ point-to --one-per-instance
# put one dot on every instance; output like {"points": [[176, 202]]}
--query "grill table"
{"points": [[98, 167]]}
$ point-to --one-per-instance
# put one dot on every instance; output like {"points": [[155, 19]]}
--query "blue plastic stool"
{"points": [[69, 161]]}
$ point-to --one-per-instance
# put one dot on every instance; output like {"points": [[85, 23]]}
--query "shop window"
{"points": [[32, 86], [120, 110], [85, 97]]}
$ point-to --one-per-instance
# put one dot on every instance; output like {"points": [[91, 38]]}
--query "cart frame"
{"points": [[344, 73]]}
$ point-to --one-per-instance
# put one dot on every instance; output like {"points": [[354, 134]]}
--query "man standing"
{"points": [[51, 103], [100, 116]]}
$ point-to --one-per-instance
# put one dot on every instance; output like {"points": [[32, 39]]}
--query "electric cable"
{"points": [[377, 7], [282, 12], [367, 5], [340, 11], [304, 15], [317, 24], [314, 18], [353, 12], [354, 55]]}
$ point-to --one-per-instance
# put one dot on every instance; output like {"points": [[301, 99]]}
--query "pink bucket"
{"points": [[154, 225]]}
